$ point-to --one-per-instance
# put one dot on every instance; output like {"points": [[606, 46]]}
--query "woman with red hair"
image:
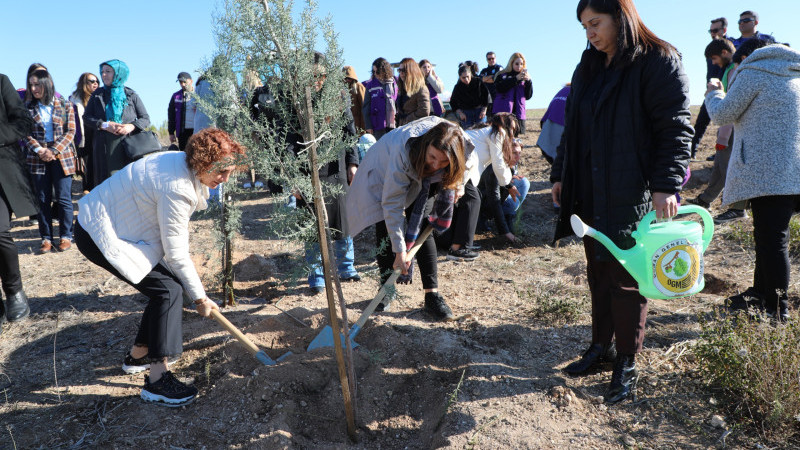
{"points": [[136, 225]]}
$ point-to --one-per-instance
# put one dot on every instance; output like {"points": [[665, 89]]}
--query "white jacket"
{"points": [[488, 150], [141, 215]]}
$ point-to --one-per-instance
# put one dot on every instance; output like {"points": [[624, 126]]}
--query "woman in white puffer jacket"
{"points": [[136, 225], [493, 148]]}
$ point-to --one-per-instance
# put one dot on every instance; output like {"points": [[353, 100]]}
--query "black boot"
{"points": [[595, 354], [17, 306], [623, 379], [2, 313]]}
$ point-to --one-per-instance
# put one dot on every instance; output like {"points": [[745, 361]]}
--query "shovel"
{"points": [[325, 337], [259, 354]]}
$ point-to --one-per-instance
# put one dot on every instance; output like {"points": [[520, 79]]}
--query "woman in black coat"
{"points": [[114, 111], [17, 197], [624, 151]]}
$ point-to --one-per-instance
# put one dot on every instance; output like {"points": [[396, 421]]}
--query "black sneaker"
{"points": [[131, 365], [168, 391], [436, 306], [698, 201], [711, 158], [729, 216], [462, 254]]}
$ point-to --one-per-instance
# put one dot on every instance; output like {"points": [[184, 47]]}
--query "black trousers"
{"points": [[184, 138], [700, 125], [771, 215], [618, 310], [9, 258], [426, 255], [492, 198], [161, 327], [465, 218]]}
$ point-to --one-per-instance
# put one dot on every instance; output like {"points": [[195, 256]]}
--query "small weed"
{"points": [[742, 233], [554, 302], [754, 363]]}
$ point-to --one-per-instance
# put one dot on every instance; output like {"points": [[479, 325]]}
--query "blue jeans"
{"points": [[344, 253], [472, 117], [510, 206], [54, 179]]}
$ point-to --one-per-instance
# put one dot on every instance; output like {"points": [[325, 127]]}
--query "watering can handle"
{"points": [[708, 221]]}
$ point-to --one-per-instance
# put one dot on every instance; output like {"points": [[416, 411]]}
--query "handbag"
{"points": [[140, 144]]}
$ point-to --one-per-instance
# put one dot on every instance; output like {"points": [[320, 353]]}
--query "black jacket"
{"points": [[15, 124], [640, 137], [469, 96]]}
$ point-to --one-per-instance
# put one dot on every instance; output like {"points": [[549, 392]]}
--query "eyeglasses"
{"points": [[715, 30], [747, 20], [93, 81]]}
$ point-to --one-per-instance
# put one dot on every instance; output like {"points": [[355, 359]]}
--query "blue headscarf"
{"points": [[119, 100]]}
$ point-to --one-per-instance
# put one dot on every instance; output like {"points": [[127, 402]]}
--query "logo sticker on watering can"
{"points": [[677, 267]]}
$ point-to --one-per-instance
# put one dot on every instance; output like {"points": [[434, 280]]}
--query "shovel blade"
{"points": [[325, 338]]}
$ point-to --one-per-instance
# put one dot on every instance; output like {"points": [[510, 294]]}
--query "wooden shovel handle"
{"points": [[234, 331], [392, 278]]}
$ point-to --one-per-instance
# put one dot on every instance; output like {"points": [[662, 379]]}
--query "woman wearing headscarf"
{"points": [[114, 111], [624, 152]]}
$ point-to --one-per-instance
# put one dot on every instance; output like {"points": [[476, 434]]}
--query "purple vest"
{"points": [[436, 104], [378, 99], [178, 112], [511, 101], [555, 112]]}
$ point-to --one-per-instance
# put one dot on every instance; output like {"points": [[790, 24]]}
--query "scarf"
{"points": [[119, 100], [440, 218]]}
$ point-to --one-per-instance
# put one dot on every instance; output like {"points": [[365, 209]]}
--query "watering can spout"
{"points": [[625, 257]]}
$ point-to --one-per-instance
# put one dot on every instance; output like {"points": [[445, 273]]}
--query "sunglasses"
{"points": [[92, 81], [715, 30], [401, 70], [747, 20]]}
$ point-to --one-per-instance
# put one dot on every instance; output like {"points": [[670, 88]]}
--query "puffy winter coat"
{"points": [[640, 143], [141, 215]]}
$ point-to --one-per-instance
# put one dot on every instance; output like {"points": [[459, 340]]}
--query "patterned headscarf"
{"points": [[119, 100]]}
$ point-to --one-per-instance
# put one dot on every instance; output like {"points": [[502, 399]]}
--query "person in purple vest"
{"points": [[513, 86], [181, 111], [435, 87], [553, 124], [379, 101]]}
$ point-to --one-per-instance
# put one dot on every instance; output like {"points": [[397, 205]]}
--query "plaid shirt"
{"points": [[62, 142]]}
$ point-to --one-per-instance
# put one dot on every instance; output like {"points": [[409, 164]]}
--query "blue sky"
{"points": [[158, 39]]}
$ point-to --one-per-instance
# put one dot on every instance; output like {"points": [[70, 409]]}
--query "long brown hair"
{"points": [[633, 37], [448, 138], [510, 127], [414, 80], [83, 89]]}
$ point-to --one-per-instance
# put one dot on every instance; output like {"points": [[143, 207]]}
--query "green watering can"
{"points": [[667, 260]]}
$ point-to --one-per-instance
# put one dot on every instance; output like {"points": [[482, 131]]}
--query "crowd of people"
{"points": [[415, 169]]}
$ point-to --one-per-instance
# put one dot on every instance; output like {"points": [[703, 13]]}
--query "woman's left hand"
{"points": [[513, 192], [351, 173], [205, 306], [482, 114], [665, 205]]}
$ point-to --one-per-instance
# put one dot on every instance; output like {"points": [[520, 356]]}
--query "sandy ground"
{"points": [[489, 380]]}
